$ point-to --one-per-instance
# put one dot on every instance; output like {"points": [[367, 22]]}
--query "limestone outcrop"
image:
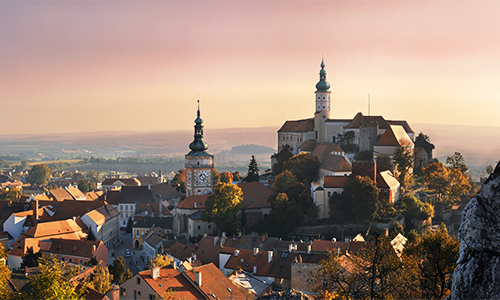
{"points": [[477, 275]]}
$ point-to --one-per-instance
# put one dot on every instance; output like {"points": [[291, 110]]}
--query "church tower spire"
{"points": [[322, 104], [199, 164]]}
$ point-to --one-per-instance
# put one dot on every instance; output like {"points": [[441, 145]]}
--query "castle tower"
{"points": [[198, 163], [322, 105]]}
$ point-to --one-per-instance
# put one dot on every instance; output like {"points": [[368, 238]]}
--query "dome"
{"points": [[322, 85]]}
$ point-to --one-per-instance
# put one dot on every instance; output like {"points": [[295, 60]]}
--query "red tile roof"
{"points": [[213, 282], [395, 135], [173, 280], [247, 261], [298, 126], [255, 194], [189, 202], [335, 181]]}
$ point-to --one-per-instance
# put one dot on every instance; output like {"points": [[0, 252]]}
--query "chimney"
{"points": [[290, 247], [239, 233], [269, 256], [195, 206], [309, 248], [263, 238], [105, 197], [25, 270], [93, 248], [386, 232], [115, 292], [155, 272], [35, 212], [254, 269], [300, 259], [216, 240], [334, 240], [161, 209], [149, 186], [255, 251], [174, 264], [236, 253], [194, 257], [198, 278]]}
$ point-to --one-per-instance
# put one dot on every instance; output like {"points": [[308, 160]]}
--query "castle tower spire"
{"points": [[198, 143]]}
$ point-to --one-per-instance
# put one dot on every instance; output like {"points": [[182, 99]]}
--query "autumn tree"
{"points": [[39, 174], [179, 181], [226, 177], [160, 260], [53, 281], [359, 202], [436, 177], [374, 272], [13, 195], [215, 177], [223, 207], [119, 271], [436, 253], [459, 184], [284, 154], [253, 171], [101, 279], [304, 166], [4, 274]]}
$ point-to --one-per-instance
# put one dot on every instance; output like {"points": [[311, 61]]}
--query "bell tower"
{"points": [[199, 164], [322, 105]]}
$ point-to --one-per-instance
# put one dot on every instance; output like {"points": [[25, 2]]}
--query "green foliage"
{"points": [[53, 281], [364, 155], [359, 202], [423, 141], [13, 195], [436, 254], [91, 236], [39, 174], [237, 176], [179, 181], [92, 174], [101, 279], [223, 207], [383, 163], [30, 259], [403, 157], [413, 208], [345, 141], [253, 171], [304, 166], [119, 271], [84, 186], [283, 155], [284, 217]]}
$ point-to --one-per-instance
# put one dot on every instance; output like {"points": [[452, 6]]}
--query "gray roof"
{"points": [[148, 222]]}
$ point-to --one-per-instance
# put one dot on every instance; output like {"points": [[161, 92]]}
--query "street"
{"points": [[134, 263]]}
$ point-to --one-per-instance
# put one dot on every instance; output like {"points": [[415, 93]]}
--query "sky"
{"points": [[85, 66]]}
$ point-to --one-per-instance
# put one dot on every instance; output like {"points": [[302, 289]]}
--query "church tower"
{"points": [[199, 164], [322, 105]]}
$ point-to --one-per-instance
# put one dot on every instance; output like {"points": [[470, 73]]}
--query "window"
{"points": [[209, 226], [329, 194], [333, 139], [123, 292], [138, 280], [62, 259], [81, 261], [151, 297], [199, 227], [324, 97], [70, 260]]}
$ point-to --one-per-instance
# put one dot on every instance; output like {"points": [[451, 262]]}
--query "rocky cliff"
{"points": [[477, 275]]}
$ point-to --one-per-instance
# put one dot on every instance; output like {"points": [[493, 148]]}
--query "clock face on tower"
{"points": [[202, 177]]}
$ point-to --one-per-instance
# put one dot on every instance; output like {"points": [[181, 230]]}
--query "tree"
{"points": [[457, 161], [84, 186], [179, 181], [436, 254], [237, 176], [403, 157], [11, 195], [359, 203], [119, 271], [374, 272], [226, 177], [383, 163], [4, 275], [130, 224], [436, 177], [413, 208], [53, 281], [91, 236], [160, 260], [345, 141], [253, 171], [215, 177], [423, 141], [93, 174], [284, 217], [459, 184], [223, 207], [39, 174], [101, 279], [30, 259], [283, 155], [304, 166], [24, 165]]}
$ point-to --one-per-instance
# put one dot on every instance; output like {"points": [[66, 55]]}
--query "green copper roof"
{"points": [[198, 145], [322, 85]]}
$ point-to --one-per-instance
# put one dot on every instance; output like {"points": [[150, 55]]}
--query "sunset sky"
{"points": [[84, 66]]}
